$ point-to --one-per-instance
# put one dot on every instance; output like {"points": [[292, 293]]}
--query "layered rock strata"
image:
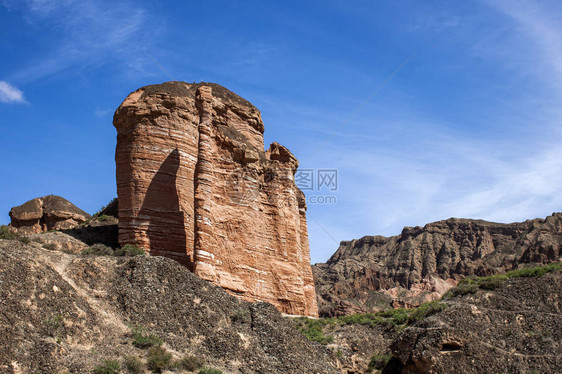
{"points": [[422, 263], [194, 184], [46, 213]]}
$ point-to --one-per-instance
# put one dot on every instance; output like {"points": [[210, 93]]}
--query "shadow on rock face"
{"points": [[104, 234], [161, 208]]}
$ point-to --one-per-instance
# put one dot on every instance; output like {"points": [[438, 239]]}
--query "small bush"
{"points": [[24, 239], [6, 233], [313, 330], [133, 365], [396, 316], [50, 246], [143, 340], [129, 250], [158, 359], [102, 217], [492, 282], [462, 289], [190, 363], [241, 315], [52, 324], [378, 362], [210, 371], [108, 367], [426, 310], [98, 249]]}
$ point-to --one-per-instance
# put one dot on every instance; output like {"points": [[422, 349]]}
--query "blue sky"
{"points": [[469, 127]]}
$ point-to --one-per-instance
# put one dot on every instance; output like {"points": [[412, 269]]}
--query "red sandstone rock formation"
{"points": [[195, 184], [46, 213]]}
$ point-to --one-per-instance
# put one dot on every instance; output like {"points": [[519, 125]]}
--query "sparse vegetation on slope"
{"points": [[78, 300], [159, 359], [7, 234], [143, 340], [471, 284], [98, 249], [314, 329], [108, 367]]}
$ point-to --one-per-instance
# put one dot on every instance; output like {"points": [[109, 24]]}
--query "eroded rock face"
{"points": [[421, 264], [514, 328], [46, 213], [194, 184]]}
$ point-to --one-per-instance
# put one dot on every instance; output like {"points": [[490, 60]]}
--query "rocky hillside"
{"points": [[64, 312], [422, 263], [509, 323], [505, 326]]}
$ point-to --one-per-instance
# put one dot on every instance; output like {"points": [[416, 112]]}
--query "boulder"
{"points": [[46, 213]]}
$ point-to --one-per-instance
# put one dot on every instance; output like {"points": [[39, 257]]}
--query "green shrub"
{"points": [[462, 289], [396, 316], [24, 239], [53, 323], [50, 246], [210, 371], [378, 362], [133, 364], [129, 250], [190, 363], [426, 310], [102, 217], [535, 272], [158, 359], [98, 249], [472, 284], [313, 330], [241, 315], [143, 340], [108, 367], [492, 282], [6, 233]]}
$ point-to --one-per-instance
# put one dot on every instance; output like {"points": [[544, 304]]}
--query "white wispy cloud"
{"points": [[10, 94], [540, 22], [431, 174], [422, 170], [103, 112], [84, 34]]}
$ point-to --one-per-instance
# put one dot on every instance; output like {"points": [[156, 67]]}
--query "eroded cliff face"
{"points": [[194, 184], [422, 263]]}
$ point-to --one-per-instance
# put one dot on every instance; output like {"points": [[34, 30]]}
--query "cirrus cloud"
{"points": [[10, 94]]}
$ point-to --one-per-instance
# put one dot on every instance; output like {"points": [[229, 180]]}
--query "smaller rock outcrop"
{"points": [[46, 213]]}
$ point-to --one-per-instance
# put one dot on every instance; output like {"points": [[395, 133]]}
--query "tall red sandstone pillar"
{"points": [[195, 184]]}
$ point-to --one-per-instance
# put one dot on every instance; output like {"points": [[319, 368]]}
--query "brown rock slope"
{"points": [[514, 328], [195, 184], [422, 263], [67, 313], [46, 213]]}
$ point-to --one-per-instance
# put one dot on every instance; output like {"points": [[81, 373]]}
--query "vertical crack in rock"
{"points": [[204, 257], [194, 184]]}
